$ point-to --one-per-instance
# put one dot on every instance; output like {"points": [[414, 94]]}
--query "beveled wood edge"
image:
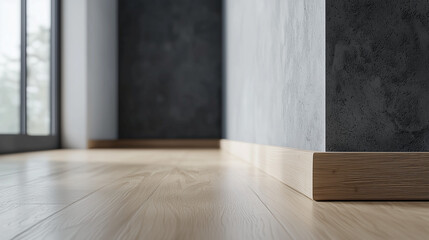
{"points": [[154, 143], [293, 167]]}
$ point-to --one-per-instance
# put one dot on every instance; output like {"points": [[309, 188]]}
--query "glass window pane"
{"points": [[10, 66], [38, 66]]}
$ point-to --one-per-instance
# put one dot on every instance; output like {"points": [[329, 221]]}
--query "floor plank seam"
{"points": [[53, 214], [8, 174], [269, 210], [41, 177], [149, 197], [65, 207]]}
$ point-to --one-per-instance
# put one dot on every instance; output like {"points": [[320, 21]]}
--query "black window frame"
{"points": [[22, 142]]}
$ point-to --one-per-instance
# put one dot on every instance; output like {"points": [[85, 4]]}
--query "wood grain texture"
{"points": [[291, 166], [16, 217], [154, 143], [371, 176], [179, 194]]}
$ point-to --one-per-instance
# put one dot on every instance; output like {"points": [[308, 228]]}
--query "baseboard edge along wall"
{"points": [[291, 166], [341, 175], [154, 143]]}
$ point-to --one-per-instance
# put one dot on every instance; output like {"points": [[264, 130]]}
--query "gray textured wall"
{"points": [[170, 54], [377, 75], [275, 72]]}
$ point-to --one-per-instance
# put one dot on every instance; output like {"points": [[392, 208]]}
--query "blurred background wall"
{"points": [[170, 73]]}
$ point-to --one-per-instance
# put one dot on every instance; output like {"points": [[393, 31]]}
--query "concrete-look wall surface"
{"points": [[275, 72], [377, 75], [170, 68]]}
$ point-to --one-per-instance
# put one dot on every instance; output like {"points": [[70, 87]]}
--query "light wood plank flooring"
{"points": [[178, 194]]}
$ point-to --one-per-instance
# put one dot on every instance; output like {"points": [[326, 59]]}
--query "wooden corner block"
{"points": [[371, 176]]}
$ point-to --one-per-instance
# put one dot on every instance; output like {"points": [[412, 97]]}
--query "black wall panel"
{"points": [[170, 68], [377, 75]]}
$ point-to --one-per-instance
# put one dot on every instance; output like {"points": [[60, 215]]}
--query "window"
{"points": [[28, 75], [10, 63]]}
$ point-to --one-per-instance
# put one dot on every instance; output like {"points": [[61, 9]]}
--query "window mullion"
{"points": [[53, 70]]}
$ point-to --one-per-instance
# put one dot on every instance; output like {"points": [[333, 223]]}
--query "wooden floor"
{"points": [[178, 194]]}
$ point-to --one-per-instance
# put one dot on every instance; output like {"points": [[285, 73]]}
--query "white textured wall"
{"points": [[275, 72], [89, 71]]}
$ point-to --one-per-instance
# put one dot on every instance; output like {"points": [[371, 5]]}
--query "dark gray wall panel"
{"points": [[377, 76], [170, 68]]}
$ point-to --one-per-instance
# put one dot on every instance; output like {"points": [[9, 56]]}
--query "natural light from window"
{"points": [[38, 66], [10, 66]]}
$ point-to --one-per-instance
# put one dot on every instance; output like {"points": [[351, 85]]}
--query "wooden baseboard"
{"points": [[291, 166], [371, 176], [341, 175], [154, 143]]}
